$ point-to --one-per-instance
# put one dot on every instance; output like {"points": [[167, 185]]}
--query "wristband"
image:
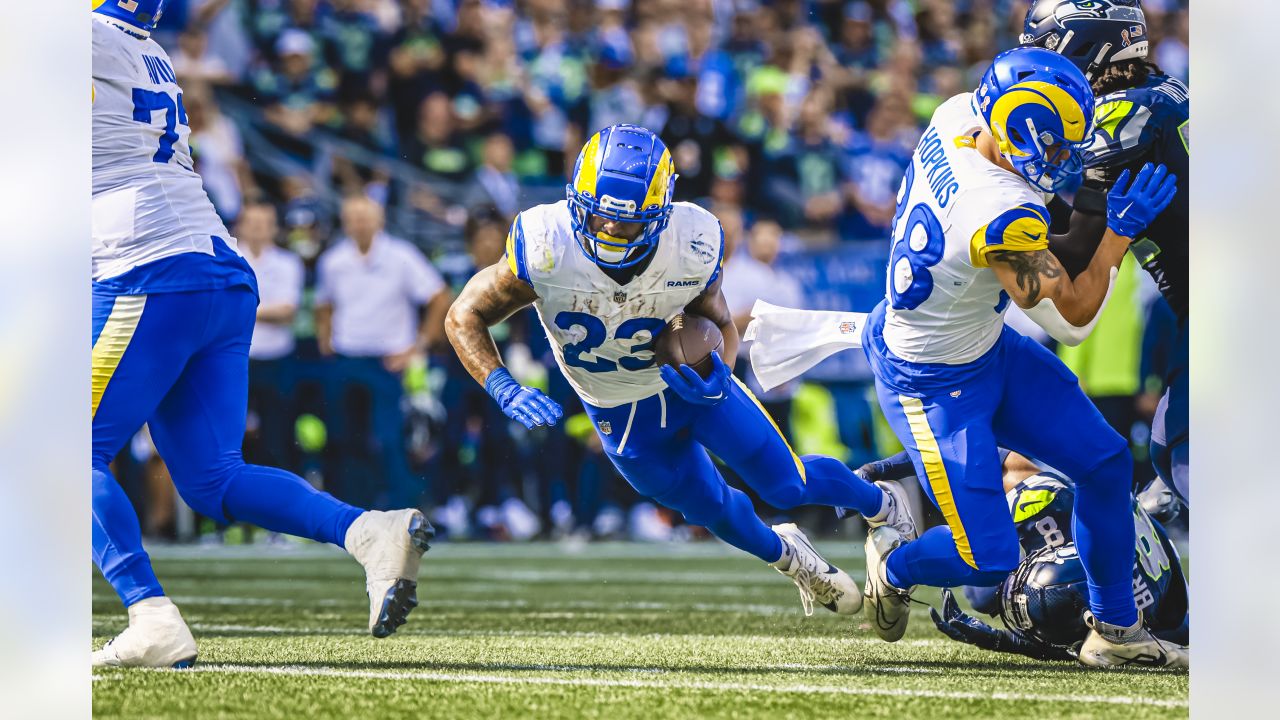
{"points": [[499, 383]]}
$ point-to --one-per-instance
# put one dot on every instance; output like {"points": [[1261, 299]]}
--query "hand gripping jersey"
{"points": [[1151, 123], [954, 207], [602, 332], [148, 203]]}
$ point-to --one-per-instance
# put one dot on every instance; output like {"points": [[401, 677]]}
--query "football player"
{"points": [[971, 235], [173, 311], [606, 269], [1142, 116], [1042, 602]]}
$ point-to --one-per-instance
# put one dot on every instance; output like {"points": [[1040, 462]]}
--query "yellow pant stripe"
{"points": [[931, 456], [794, 458], [113, 340]]}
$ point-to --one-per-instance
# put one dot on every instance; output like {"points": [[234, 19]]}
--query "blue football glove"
{"points": [[1130, 211], [686, 382], [524, 405], [955, 624]]}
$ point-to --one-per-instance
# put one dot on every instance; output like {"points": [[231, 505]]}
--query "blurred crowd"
{"points": [[330, 132]]}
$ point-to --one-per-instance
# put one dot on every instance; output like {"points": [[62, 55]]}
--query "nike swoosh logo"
{"points": [[1125, 210], [1025, 505], [717, 397], [1031, 236]]}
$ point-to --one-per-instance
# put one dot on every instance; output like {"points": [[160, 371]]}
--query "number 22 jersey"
{"points": [[148, 202], [601, 332], [943, 304]]}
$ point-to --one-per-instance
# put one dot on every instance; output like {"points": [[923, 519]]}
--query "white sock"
{"points": [[883, 513]]}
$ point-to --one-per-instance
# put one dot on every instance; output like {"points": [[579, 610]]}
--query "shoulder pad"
{"points": [[701, 238], [536, 241]]}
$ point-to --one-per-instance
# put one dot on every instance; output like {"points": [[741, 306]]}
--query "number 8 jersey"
{"points": [[954, 207], [148, 202], [602, 332]]}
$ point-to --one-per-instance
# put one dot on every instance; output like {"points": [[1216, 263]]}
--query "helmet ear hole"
{"points": [[1015, 135]]}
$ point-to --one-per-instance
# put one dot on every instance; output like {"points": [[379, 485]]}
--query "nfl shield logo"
{"points": [[606, 427], [619, 296], [848, 328]]}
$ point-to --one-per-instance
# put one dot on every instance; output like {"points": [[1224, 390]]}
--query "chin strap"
{"points": [[1046, 315]]}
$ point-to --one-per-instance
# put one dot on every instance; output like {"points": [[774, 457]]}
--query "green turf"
{"points": [[550, 630]]}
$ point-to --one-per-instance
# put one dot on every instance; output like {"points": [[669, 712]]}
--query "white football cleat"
{"points": [[157, 637], [888, 607], [389, 545], [898, 513], [817, 579], [1113, 646]]}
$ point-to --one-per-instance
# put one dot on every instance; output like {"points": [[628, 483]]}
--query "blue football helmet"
{"points": [[141, 14], [1039, 108], [1044, 599], [1089, 33], [624, 173]]}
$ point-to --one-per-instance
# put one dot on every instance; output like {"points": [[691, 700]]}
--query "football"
{"points": [[689, 340]]}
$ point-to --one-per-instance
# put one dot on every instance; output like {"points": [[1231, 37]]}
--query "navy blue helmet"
{"points": [[1090, 33], [1045, 598], [141, 14]]}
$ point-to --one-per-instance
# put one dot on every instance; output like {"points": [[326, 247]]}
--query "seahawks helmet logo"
{"points": [[1082, 9]]}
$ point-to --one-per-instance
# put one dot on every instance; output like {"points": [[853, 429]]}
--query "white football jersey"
{"points": [[944, 303], [148, 203], [602, 332]]}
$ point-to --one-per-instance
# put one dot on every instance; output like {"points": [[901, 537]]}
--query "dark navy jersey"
{"points": [[1150, 123]]}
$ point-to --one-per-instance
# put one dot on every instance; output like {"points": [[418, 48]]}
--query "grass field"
{"points": [[551, 630]]}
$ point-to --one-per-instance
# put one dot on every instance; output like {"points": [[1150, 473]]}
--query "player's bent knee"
{"points": [[1115, 468], [204, 491]]}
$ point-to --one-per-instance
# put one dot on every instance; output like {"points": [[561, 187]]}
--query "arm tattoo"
{"points": [[1032, 268], [490, 297]]}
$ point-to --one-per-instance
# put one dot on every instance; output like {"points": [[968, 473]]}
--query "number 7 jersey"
{"points": [[148, 202], [601, 332], [943, 303]]}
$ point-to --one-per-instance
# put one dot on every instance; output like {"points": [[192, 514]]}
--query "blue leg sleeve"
{"points": [[199, 428], [1046, 415], [117, 541], [948, 437], [932, 560], [685, 480], [741, 433], [137, 355]]}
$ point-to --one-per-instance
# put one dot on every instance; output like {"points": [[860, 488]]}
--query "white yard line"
{"points": [[701, 638], [668, 683]]}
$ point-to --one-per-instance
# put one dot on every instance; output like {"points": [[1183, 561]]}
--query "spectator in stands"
{"points": [[876, 162], [806, 178], [218, 152], [751, 275], [297, 94], [379, 305], [280, 277], [194, 63], [436, 148], [417, 62], [494, 183], [355, 47]]}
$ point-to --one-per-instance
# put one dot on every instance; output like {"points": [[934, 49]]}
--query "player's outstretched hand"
{"points": [[686, 382], [528, 406], [955, 624], [1132, 207]]}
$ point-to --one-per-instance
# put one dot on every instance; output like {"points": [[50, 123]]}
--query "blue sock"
{"points": [[280, 501], [830, 482], [1104, 534], [117, 541], [934, 561]]}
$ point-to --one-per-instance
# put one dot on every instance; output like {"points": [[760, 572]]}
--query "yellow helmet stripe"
{"points": [[1074, 122], [589, 171], [657, 191]]}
